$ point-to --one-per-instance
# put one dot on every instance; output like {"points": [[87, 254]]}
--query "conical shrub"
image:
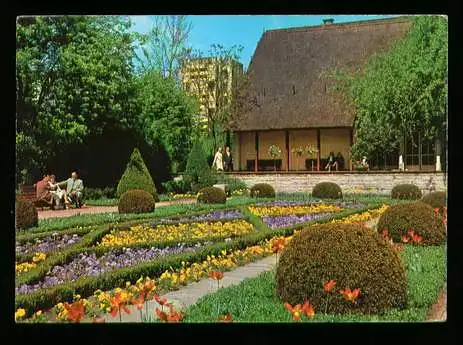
{"points": [[198, 173], [136, 176]]}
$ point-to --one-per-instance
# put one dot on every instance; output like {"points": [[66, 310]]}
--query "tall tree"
{"points": [[401, 91], [165, 45]]}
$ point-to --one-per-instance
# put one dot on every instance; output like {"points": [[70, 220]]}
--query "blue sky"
{"points": [[244, 30]]}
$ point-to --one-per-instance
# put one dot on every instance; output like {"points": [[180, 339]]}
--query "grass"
{"points": [[102, 202], [254, 299]]}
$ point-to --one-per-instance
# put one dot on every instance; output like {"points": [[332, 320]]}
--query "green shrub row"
{"points": [[47, 298], [100, 193]]}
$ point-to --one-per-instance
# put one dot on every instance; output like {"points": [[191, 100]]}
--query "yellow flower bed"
{"points": [[173, 196], [238, 192], [26, 266], [176, 232], [362, 217], [285, 210]]}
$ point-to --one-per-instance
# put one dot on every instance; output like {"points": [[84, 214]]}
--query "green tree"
{"points": [[198, 173], [401, 91], [136, 176], [166, 115]]}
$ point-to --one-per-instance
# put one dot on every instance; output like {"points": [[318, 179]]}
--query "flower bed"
{"points": [[212, 216], [47, 244], [363, 217], [177, 232], [282, 221], [26, 266], [286, 210], [91, 265]]}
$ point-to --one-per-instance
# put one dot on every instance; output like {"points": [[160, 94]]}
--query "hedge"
{"points": [[86, 286]]}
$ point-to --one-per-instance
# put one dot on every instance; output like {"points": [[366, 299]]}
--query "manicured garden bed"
{"points": [[254, 300]]}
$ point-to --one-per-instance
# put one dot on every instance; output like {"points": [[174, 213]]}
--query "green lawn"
{"points": [[102, 202], [254, 299]]}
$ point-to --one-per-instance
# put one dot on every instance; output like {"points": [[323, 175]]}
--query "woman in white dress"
{"points": [[56, 191], [218, 160]]}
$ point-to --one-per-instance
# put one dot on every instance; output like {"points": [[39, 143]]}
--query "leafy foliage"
{"points": [[328, 190], [136, 201], [136, 176], [177, 187], [26, 214], [262, 190], [406, 191], [436, 200], [401, 91], [353, 256], [198, 173], [399, 219], [212, 195]]}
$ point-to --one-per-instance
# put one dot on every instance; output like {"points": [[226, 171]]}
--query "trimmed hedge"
{"points": [[354, 257], [212, 195], [399, 219], [262, 190], [26, 215], [406, 191], [136, 201], [327, 190], [436, 200], [47, 298]]}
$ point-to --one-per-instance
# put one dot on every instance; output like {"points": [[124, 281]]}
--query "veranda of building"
{"points": [[295, 106]]}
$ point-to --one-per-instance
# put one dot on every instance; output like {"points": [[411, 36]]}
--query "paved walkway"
{"points": [[438, 311], [99, 209]]}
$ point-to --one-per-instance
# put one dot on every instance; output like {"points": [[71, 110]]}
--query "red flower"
{"points": [[278, 245], [415, 237], [161, 315], [329, 285], [173, 316], [350, 295], [140, 301], [117, 304], [225, 318], [296, 311], [76, 311], [161, 300], [385, 234], [308, 310], [405, 239], [216, 275]]}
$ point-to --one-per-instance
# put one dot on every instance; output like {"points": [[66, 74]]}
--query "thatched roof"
{"points": [[287, 75]]}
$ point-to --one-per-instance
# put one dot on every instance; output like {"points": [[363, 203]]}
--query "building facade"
{"points": [[294, 105], [204, 78]]}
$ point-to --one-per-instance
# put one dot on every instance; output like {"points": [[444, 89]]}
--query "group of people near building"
{"points": [[223, 161], [63, 193]]}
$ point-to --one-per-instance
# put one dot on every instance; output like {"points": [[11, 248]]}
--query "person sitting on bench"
{"points": [[56, 191], [43, 191], [332, 162], [74, 189]]}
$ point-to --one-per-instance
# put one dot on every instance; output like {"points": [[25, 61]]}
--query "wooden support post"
{"points": [[287, 150], [351, 143], [318, 148], [257, 152]]}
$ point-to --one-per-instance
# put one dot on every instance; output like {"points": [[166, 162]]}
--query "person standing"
{"points": [[218, 160], [74, 189], [228, 160]]}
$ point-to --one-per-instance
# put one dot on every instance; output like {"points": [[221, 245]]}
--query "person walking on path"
{"points": [[218, 160], [228, 160], [74, 189]]}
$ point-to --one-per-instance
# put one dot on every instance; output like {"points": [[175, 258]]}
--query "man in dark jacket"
{"points": [[228, 160]]}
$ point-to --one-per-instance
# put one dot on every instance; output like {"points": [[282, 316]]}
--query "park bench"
{"points": [[28, 192]]}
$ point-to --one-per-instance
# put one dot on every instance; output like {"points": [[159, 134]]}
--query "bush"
{"points": [[136, 176], [350, 254], [212, 195], [233, 184], [406, 191], [136, 201], [262, 190], [26, 214], [93, 193], [109, 192], [327, 190], [399, 219], [436, 200], [198, 173], [176, 187]]}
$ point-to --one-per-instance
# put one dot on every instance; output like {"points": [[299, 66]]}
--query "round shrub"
{"points": [[351, 255], [399, 219], [436, 200], [406, 191], [262, 190], [136, 201], [212, 195], [327, 190], [26, 214]]}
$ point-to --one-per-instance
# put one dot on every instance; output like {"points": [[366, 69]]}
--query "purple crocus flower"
{"points": [[47, 244], [282, 221]]}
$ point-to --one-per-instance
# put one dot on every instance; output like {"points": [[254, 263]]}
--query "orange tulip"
{"points": [[350, 295], [329, 285], [161, 315], [140, 301], [173, 316], [308, 310], [117, 305], [225, 318], [278, 245], [296, 311], [76, 311], [216, 275], [161, 300]]}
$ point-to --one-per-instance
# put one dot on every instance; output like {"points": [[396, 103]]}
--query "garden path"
{"points": [[100, 209]]}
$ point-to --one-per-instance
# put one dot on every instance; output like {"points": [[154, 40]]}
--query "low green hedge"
{"points": [[86, 286]]}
